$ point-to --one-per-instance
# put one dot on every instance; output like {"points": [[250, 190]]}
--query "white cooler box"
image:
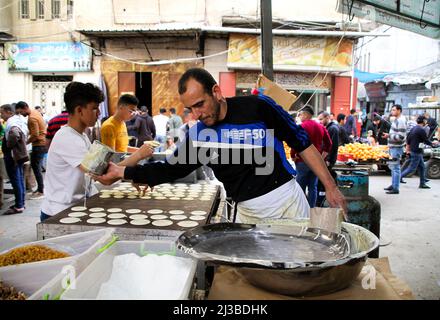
{"points": [[88, 284], [33, 278]]}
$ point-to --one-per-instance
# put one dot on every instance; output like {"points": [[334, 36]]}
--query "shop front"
{"points": [[305, 66], [155, 86], [310, 89], [377, 98]]}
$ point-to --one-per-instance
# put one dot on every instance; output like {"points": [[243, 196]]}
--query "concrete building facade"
{"points": [[130, 37]]}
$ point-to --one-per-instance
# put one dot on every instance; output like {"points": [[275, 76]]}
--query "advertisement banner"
{"points": [[295, 53], [49, 57]]}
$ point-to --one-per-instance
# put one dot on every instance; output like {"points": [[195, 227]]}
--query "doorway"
{"points": [[48, 93], [139, 84], [143, 90]]}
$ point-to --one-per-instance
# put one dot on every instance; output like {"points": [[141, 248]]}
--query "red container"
{"points": [[344, 157]]}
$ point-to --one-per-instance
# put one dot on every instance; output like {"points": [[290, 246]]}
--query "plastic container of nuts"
{"points": [[28, 278]]}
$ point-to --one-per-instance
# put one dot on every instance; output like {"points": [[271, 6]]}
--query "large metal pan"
{"points": [[271, 257]]}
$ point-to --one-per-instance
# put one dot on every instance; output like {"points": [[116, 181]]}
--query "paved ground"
{"points": [[19, 228], [410, 224]]}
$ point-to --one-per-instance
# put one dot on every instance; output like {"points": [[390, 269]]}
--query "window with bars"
{"points": [[24, 9], [40, 9], [56, 9], [69, 9]]}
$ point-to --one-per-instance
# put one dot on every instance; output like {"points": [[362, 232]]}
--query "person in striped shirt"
{"points": [[396, 141], [54, 125]]}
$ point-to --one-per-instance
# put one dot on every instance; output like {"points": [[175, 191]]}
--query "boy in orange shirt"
{"points": [[114, 131]]}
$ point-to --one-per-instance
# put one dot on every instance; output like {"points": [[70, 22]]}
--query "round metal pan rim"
{"points": [[263, 263]]}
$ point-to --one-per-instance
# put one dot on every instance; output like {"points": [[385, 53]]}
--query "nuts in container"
{"points": [[10, 293], [30, 253]]}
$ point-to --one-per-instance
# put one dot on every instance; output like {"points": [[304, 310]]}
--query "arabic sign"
{"points": [[49, 57], [293, 53], [414, 8], [411, 8]]}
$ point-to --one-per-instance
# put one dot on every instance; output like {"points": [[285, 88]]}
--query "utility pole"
{"points": [[266, 38]]}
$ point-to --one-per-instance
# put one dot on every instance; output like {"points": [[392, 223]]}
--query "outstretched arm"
{"points": [[314, 161]]}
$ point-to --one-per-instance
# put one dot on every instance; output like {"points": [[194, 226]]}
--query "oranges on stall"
{"points": [[364, 152]]}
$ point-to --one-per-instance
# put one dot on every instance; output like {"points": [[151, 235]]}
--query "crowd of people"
{"points": [[282, 192], [23, 133], [131, 125], [402, 136], [26, 136]]}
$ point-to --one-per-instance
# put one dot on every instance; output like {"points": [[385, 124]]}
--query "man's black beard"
{"points": [[216, 114]]}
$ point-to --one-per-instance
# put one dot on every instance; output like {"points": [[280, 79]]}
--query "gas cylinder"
{"points": [[363, 209]]}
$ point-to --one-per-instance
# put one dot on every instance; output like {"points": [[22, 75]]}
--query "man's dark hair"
{"points": [[201, 76], [80, 94], [377, 118], [340, 117], [128, 99], [37, 107], [173, 110], [20, 105], [398, 107], [352, 111], [162, 110], [421, 119], [7, 107], [307, 109], [143, 109]]}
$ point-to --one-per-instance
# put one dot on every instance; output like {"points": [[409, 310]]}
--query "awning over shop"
{"points": [[429, 74], [5, 36], [375, 91], [189, 29], [365, 77], [419, 75], [434, 81]]}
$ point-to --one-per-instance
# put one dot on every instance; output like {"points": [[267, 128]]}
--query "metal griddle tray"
{"points": [[267, 246]]}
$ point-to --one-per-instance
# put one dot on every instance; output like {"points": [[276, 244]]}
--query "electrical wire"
{"points": [[374, 38], [334, 57], [160, 62], [10, 4]]}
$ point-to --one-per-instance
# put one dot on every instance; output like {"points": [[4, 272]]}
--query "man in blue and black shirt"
{"points": [[241, 139], [415, 141]]}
